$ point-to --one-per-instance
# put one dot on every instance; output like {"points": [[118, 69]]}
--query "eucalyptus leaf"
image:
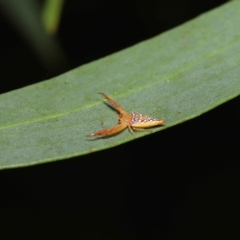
{"points": [[175, 76]]}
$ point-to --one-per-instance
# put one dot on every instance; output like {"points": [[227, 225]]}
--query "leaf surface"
{"points": [[175, 76]]}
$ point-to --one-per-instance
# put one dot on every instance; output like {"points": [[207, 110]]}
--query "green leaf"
{"points": [[175, 76], [23, 15], [51, 15]]}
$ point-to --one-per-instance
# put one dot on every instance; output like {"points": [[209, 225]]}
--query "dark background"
{"points": [[179, 183]]}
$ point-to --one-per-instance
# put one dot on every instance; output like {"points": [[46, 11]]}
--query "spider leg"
{"points": [[130, 129], [117, 106], [109, 131]]}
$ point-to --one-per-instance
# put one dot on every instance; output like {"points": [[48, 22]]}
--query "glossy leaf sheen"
{"points": [[175, 76]]}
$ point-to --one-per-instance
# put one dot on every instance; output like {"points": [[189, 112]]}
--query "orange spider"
{"points": [[131, 120]]}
